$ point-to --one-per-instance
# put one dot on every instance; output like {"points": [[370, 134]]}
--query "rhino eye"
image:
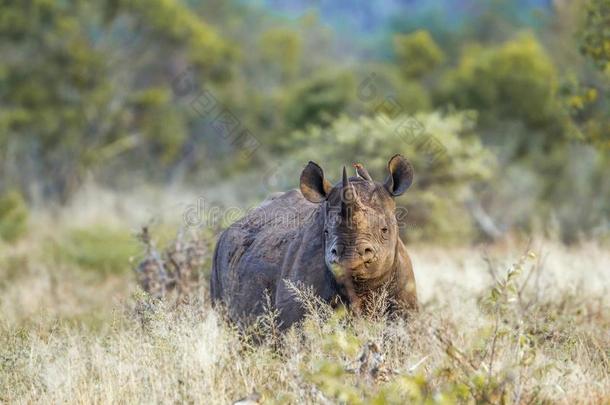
{"points": [[326, 232], [384, 230]]}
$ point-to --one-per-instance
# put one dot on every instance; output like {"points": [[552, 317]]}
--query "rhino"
{"points": [[340, 241]]}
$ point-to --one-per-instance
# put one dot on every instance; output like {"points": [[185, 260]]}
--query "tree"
{"points": [[78, 86], [595, 34], [320, 99], [514, 80], [594, 38], [417, 54], [282, 47]]}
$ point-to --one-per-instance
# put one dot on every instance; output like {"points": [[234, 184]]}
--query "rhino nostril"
{"points": [[333, 251], [367, 253]]}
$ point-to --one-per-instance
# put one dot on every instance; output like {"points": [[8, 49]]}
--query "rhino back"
{"points": [[249, 254]]}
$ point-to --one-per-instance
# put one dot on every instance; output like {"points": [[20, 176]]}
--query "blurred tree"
{"points": [[417, 54], [590, 106], [282, 47], [318, 100], [380, 81], [174, 24], [77, 88], [515, 80], [595, 33]]}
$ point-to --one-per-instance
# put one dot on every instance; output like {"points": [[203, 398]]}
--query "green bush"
{"points": [[317, 101], [98, 248], [281, 49], [380, 81], [13, 216], [68, 93], [514, 80], [417, 53], [594, 34]]}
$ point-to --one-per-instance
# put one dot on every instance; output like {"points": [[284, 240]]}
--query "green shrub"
{"points": [[317, 101], [281, 50], [515, 80], [417, 53], [594, 34], [381, 81], [13, 216], [98, 248]]}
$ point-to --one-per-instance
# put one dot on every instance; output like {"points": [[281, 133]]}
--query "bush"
{"points": [[515, 80], [594, 35], [98, 248], [281, 50], [381, 81], [417, 53], [317, 101], [13, 216]]}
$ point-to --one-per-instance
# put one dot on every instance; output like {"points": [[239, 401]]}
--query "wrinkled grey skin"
{"points": [[341, 240]]}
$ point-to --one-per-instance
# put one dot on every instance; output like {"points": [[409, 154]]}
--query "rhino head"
{"points": [[360, 226]]}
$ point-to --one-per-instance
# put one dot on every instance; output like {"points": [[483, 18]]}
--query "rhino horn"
{"points": [[349, 199]]}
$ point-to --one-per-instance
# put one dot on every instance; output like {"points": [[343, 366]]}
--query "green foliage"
{"points": [[282, 47], [514, 80], [381, 81], [171, 20], [70, 86], [86, 92], [447, 158], [588, 103], [413, 97], [417, 54], [317, 101], [594, 34], [528, 117], [13, 216], [166, 126], [101, 249]]}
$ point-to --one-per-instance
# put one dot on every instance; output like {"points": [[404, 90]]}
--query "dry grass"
{"points": [[497, 325]]}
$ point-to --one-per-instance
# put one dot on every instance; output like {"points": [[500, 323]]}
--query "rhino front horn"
{"points": [[348, 197]]}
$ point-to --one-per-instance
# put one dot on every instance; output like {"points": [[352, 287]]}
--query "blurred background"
{"points": [[145, 108]]}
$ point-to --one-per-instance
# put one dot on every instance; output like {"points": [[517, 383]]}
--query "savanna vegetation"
{"points": [[178, 116]]}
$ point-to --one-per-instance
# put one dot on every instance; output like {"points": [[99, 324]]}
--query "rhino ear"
{"points": [[400, 175], [314, 186]]}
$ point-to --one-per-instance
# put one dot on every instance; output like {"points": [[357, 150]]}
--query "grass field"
{"points": [[516, 323]]}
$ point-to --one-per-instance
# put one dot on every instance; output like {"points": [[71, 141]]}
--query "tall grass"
{"points": [[496, 326]]}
